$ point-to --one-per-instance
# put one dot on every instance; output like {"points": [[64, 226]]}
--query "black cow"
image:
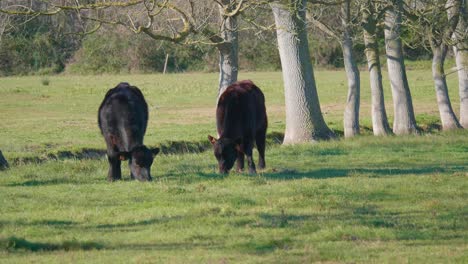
{"points": [[123, 117], [241, 119]]}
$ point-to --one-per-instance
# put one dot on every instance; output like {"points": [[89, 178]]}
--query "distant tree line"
{"points": [[241, 33], [50, 44]]}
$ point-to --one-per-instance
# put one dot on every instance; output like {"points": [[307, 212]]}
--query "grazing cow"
{"points": [[241, 119], [123, 116]]}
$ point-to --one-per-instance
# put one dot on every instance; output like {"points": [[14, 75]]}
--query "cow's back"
{"points": [[124, 114], [241, 110]]}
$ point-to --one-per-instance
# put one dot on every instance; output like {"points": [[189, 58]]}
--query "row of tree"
{"points": [[441, 23]]}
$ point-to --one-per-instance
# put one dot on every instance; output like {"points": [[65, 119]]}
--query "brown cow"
{"points": [[241, 119]]}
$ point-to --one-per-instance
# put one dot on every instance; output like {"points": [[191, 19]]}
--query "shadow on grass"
{"points": [[20, 244], [50, 182], [277, 174], [33, 183], [265, 246], [169, 246], [361, 223], [146, 222], [167, 147], [59, 224], [325, 173], [85, 153], [14, 243], [55, 223]]}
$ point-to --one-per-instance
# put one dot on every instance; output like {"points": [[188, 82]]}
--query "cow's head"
{"points": [[225, 151], [140, 159]]}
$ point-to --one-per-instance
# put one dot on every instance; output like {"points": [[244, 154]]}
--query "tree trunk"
{"points": [[404, 120], [380, 124], [228, 51], [447, 116], [351, 114], [457, 10], [461, 57], [462, 63], [3, 162], [304, 120]]}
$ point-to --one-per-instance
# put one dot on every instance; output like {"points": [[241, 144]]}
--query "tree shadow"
{"points": [[408, 225], [19, 244], [64, 224], [54, 223], [212, 175], [48, 182], [265, 246], [325, 173], [288, 174], [15, 243], [141, 223], [169, 246], [33, 183]]}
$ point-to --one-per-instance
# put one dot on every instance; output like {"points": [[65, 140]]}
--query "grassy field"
{"points": [[367, 199]]}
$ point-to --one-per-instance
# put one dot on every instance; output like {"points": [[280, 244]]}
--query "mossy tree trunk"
{"points": [[380, 126]]}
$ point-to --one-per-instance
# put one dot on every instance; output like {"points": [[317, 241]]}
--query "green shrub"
{"points": [[35, 47]]}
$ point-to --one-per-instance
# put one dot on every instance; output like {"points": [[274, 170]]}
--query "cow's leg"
{"points": [[114, 167], [260, 140], [130, 168], [240, 161], [248, 145]]}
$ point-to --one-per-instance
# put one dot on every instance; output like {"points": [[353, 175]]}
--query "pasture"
{"points": [[366, 199]]}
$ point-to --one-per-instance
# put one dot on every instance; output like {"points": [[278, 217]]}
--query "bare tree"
{"points": [[458, 11], [209, 22], [351, 114], [371, 14], [404, 119], [304, 119], [4, 25], [340, 28], [429, 21]]}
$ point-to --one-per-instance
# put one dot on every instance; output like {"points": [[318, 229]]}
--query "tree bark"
{"points": [[3, 162], [228, 51], [404, 120], [447, 116], [461, 57], [304, 120], [351, 114], [380, 126], [457, 9]]}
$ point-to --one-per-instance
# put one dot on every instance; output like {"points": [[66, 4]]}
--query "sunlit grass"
{"points": [[366, 199]]}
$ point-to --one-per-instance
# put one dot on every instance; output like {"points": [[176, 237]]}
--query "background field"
{"points": [[393, 199]]}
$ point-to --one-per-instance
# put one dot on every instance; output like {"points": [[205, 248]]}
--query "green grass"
{"points": [[367, 199]]}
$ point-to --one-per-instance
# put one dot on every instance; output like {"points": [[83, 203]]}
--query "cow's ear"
{"points": [[212, 139], [124, 155], [155, 151]]}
